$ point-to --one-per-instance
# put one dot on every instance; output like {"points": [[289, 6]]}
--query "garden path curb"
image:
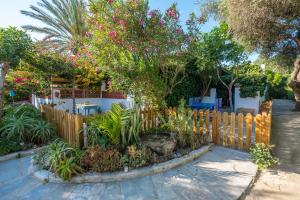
{"points": [[47, 176], [19, 154]]}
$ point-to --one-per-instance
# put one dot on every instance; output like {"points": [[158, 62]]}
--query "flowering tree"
{"points": [[14, 45], [141, 49]]}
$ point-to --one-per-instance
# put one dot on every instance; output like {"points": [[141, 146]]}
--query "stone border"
{"points": [[47, 176], [19, 154]]}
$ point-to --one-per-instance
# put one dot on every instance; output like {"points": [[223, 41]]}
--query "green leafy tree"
{"points": [[272, 28], [141, 49], [215, 52], [14, 45]]}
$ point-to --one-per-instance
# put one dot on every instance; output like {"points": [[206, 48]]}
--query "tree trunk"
{"points": [[295, 83], [73, 96], [4, 70]]}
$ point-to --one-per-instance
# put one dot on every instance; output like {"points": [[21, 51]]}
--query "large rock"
{"points": [[162, 144]]}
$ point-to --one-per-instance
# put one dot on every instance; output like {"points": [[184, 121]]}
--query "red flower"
{"points": [[113, 34], [110, 1]]}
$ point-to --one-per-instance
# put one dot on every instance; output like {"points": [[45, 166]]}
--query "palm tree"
{"points": [[64, 20], [64, 28]]}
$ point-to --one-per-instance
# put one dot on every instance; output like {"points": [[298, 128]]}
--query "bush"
{"points": [[102, 160], [121, 126], [23, 109], [17, 127], [95, 137], [42, 132], [24, 124], [61, 159], [9, 146], [261, 155], [182, 124], [136, 157]]}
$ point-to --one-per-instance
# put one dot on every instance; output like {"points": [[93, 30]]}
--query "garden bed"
{"points": [[48, 176]]}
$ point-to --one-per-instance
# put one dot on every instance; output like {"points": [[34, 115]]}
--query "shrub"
{"points": [[261, 155], [182, 124], [95, 136], [17, 127], [110, 123], [42, 131], [61, 159], [122, 126], [8, 146], [136, 157], [132, 127], [24, 124], [23, 109], [102, 160]]}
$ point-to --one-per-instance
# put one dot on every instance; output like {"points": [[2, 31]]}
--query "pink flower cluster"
{"points": [[113, 34], [20, 80], [110, 1], [153, 13], [173, 13]]}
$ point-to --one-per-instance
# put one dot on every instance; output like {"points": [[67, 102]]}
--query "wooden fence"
{"points": [[227, 129], [68, 126]]}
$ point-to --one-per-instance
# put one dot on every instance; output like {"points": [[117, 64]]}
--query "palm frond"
{"points": [[64, 22]]}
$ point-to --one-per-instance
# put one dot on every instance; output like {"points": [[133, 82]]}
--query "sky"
{"points": [[10, 12]]}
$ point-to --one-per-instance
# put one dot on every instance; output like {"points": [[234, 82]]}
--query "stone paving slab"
{"points": [[221, 173]]}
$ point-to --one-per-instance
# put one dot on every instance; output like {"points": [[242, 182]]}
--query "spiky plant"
{"points": [[64, 21]]}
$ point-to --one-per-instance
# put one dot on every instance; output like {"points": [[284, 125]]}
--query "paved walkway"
{"points": [[220, 174], [284, 181]]}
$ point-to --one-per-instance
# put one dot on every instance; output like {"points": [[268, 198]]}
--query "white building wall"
{"points": [[206, 99], [249, 102], [67, 104]]}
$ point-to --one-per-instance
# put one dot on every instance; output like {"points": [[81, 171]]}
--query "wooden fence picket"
{"points": [[201, 121], [68, 126], [249, 122], [195, 121], [240, 130], [225, 129], [218, 129], [214, 123], [207, 122], [232, 130], [258, 128]]}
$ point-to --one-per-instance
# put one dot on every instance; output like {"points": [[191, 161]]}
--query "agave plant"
{"points": [[17, 127], [42, 131], [23, 109], [132, 127], [67, 168]]}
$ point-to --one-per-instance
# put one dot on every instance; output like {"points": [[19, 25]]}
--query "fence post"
{"points": [[85, 136], [207, 121], [249, 122]]}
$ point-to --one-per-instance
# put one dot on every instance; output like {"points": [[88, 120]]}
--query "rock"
{"points": [[162, 144]]}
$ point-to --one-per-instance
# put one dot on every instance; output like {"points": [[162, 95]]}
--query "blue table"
{"points": [[203, 106], [86, 107]]}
